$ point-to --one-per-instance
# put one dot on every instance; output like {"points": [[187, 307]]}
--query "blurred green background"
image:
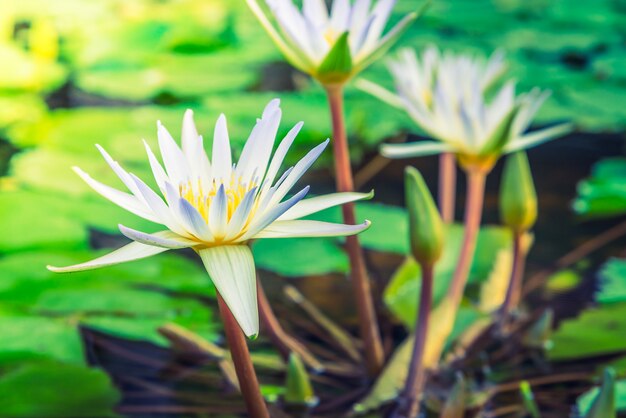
{"points": [[74, 73]]}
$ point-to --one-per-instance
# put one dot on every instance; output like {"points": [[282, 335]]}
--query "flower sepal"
{"points": [[337, 65]]}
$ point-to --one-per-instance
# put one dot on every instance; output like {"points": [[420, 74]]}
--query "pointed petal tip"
{"points": [[253, 336]]}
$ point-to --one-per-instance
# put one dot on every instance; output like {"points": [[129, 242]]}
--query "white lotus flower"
{"points": [[306, 37], [216, 207], [448, 97]]}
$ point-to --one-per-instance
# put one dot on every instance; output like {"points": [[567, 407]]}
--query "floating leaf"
{"points": [[604, 193], [296, 257], [61, 391]]}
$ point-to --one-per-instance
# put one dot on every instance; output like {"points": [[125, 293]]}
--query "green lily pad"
{"points": [[604, 193], [298, 257], [28, 223], [613, 282], [592, 333], [61, 391]]}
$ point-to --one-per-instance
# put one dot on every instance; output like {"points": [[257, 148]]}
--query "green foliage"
{"points": [[296, 257], [402, 293], [50, 389], [603, 406], [298, 389], [586, 400], [613, 282], [128, 64], [604, 193]]}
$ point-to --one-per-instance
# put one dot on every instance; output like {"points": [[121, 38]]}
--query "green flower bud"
{"points": [[299, 390], [425, 224], [337, 65], [603, 405], [518, 199]]}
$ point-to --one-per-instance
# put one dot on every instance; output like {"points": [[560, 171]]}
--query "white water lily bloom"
{"points": [[216, 207], [449, 97], [307, 36]]}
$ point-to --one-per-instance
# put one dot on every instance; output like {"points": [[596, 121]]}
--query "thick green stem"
{"points": [[248, 382], [409, 404], [368, 323], [514, 290], [473, 213], [447, 186]]}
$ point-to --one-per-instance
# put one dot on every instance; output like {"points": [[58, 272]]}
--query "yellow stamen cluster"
{"points": [[200, 196], [331, 35]]}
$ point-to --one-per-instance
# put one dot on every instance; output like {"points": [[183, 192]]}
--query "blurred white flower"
{"points": [[331, 46], [449, 96], [216, 207]]}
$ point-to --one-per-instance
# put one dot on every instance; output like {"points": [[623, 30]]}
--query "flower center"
{"points": [[330, 35], [201, 196]]}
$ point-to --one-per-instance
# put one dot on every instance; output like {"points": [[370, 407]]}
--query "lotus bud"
{"points": [[425, 224], [518, 199]]}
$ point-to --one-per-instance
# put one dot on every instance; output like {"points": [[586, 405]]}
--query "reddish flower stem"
{"points": [[248, 382], [514, 290], [473, 214], [368, 323], [409, 403], [447, 186]]}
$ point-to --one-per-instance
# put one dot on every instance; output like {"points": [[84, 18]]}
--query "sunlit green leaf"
{"points": [[61, 391]]}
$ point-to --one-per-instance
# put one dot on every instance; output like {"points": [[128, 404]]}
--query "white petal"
{"points": [[414, 149], [192, 146], [196, 222], [124, 200], [158, 207], [296, 58], [315, 11], [382, 11], [279, 155], [258, 148], [340, 14], [130, 252], [218, 213], [298, 170], [157, 170], [316, 204], [300, 228], [231, 269], [273, 213], [240, 217], [189, 134], [173, 158], [221, 156], [164, 239], [121, 173], [538, 137]]}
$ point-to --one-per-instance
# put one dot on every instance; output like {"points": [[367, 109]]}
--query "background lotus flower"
{"points": [[448, 96], [216, 207], [331, 46]]}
